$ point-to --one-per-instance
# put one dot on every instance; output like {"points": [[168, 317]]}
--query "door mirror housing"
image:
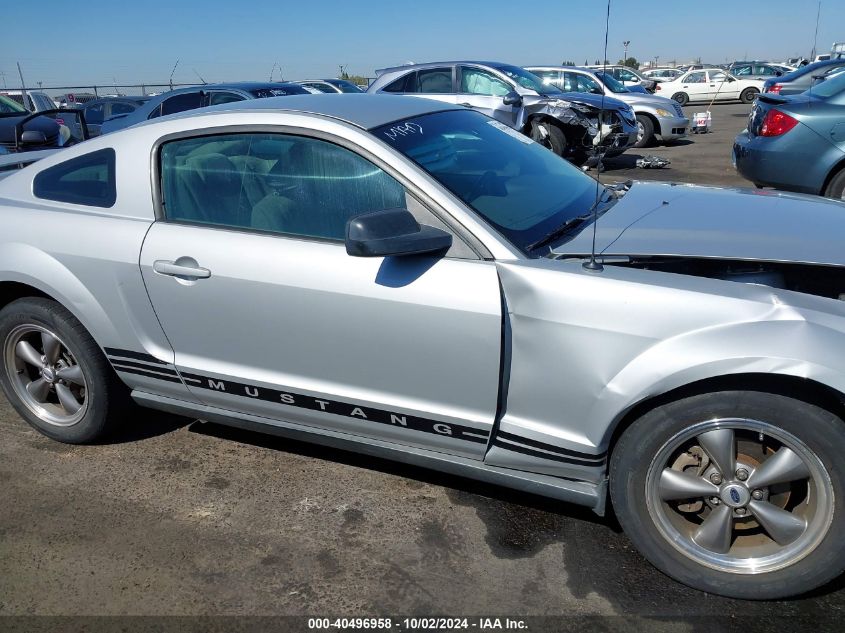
{"points": [[513, 98], [33, 137], [393, 233]]}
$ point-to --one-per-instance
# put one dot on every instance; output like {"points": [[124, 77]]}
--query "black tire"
{"points": [[836, 187], [681, 97], [748, 95], [553, 138], [104, 395], [647, 139], [636, 452]]}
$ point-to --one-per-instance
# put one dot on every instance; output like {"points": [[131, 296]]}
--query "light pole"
{"points": [[625, 44]]}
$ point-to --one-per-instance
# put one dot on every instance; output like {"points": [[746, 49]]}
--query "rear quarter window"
{"points": [[87, 180]]}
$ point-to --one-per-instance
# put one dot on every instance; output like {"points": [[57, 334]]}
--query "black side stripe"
{"points": [[345, 409], [550, 447], [125, 353], [164, 369], [146, 373], [537, 454]]}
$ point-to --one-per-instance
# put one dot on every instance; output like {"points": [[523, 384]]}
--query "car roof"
{"points": [[363, 110], [392, 69]]}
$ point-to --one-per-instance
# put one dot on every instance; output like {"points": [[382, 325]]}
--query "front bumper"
{"points": [[672, 128]]}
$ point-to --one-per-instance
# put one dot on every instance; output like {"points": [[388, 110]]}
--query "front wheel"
{"points": [[54, 374], [681, 97], [735, 493], [645, 131], [549, 135], [748, 95]]}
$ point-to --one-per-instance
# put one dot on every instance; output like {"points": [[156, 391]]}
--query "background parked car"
{"points": [[22, 131], [330, 86], [35, 101], [521, 100], [756, 70], [803, 78], [710, 84], [100, 110], [199, 97], [74, 99], [662, 74], [797, 142], [628, 76], [655, 115]]}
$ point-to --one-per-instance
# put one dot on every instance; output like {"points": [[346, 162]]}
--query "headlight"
{"points": [[664, 113]]}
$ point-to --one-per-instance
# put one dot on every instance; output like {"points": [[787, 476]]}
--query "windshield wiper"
{"points": [[571, 223]]}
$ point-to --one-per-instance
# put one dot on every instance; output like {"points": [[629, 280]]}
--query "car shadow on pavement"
{"points": [[461, 490], [143, 424]]}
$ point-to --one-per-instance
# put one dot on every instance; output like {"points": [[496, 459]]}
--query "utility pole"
{"points": [[23, 88], [625, 57], [171, 73], [816, 34]]}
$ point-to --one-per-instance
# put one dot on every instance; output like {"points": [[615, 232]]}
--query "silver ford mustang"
{"points": [[409, 279]]}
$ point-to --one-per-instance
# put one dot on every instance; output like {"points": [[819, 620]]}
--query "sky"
{"points": [[231, 40]]}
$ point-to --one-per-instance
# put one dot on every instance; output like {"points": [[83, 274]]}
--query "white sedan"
{"points": [[710, 84]]}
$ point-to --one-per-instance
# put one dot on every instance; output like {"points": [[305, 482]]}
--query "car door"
{"points": [[696, 85], [219, 97], [483, 91], [722, 86], [270, 317]]}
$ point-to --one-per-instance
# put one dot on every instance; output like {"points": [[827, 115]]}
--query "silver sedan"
{"points": [[411, 279]]}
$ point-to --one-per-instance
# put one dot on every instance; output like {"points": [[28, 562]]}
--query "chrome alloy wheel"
{"points": [[45, 375], [640, 131], [740, 496]]}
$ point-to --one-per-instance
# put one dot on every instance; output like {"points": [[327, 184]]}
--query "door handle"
{"points": [[178, 270]]}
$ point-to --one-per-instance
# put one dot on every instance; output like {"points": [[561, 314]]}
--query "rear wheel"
{"points": [[735, 493], [836, 187], [681, 97], [645, 131], [53, 373], [748, 95], [549, 135]]}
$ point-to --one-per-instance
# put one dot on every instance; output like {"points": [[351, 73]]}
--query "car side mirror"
{"points": [[33, 137], [392, 233], [513, 98]]}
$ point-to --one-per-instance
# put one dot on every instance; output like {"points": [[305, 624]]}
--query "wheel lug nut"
{"points": [[757, 494], [715, 501], [741, 511], [716, 478], [742, 474]]}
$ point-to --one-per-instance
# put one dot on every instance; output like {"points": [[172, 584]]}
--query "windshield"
{"points": [[10, 106], [613, 84], [829, 87], [527, 80], [518, 186], [346, 86]]}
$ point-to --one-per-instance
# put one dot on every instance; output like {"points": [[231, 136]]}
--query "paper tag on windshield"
{"points": [[512, 132]]}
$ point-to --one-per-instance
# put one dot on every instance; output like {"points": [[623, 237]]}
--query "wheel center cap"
{"points": [[48, 374], [735, 495]]}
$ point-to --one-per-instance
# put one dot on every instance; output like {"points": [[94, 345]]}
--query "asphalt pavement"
{"points": [[176, 517]]}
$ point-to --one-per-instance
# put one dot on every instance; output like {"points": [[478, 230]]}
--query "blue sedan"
{"points": [[796, 142]]}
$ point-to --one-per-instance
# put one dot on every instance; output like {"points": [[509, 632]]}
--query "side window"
{"points": [[475, 81], [549, 77], [181, 102], [585, 83], [318, 87], [121, 108], [570, 82], [155, 113], [407, 83], [95, 114], [87, 179], [280, 183], [718, 76], [742, 71], [435, 80], [695, 78], [218, 98], [627, 75]]}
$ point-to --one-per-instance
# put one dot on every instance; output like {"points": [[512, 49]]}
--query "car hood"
{"points": [[576, 97], [663, 219], [646, 100]]}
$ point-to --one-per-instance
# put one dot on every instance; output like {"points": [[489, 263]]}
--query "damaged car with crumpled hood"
{"points": [[582, 128]]}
